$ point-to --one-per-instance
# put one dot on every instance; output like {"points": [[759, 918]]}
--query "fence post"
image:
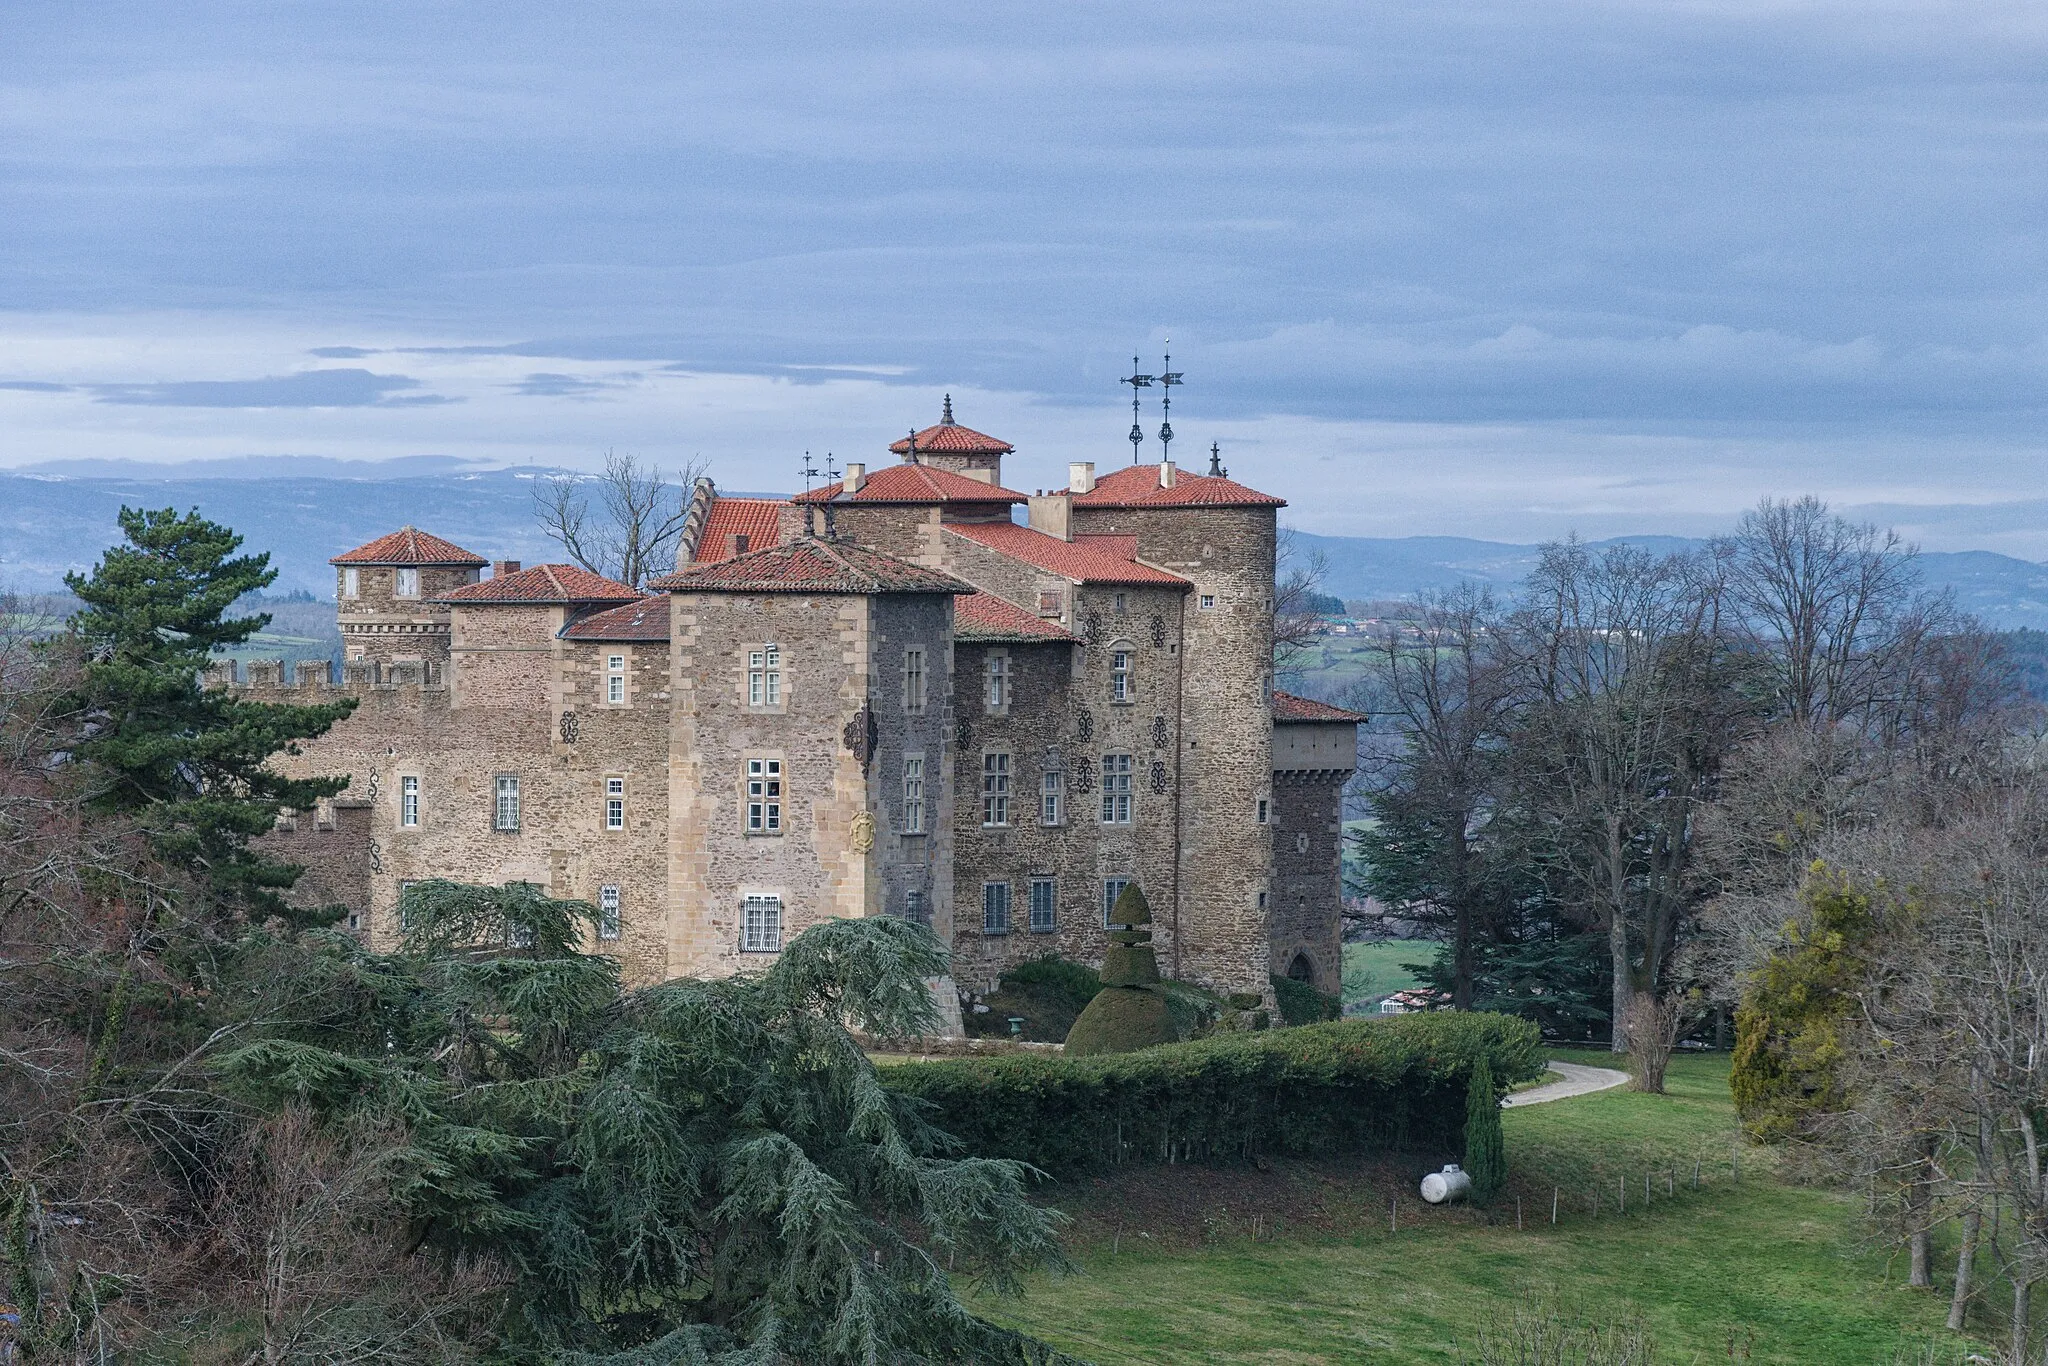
{"points": [[1622, 1185], [1553, 1206]]}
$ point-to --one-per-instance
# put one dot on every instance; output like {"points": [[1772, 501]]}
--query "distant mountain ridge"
{"points": [[60, 517]]}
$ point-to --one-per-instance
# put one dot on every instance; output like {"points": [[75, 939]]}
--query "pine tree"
{"points": [[188, 762], [1486, 1159]]}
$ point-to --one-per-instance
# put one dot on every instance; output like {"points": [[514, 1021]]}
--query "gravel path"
{"points": [[1579, 1080]]}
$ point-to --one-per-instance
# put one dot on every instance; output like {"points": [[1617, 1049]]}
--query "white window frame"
{"points": [[913, 679], [1265, 810], [764, 678], [615, 680], [1112, 888], [1118, 797], [1122, 688], [615, 803], [1044, 912], [996, 680], [761, 924], [996, 898], [1208, 602], [608, 911], [1119, 602], [505, 813], [765, 795], [408, 801], [1052, 797], [913, 794], [351, 582], [995, 789], [405, 583]]}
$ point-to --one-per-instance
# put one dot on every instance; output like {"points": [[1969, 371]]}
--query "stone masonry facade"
{"points": [[888, 696]]}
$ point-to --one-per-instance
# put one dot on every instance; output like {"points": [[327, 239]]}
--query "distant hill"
{"points": [[59, 518], [2005, 592]]}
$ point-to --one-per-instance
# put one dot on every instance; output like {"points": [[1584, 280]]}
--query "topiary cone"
{"points": [[1130, 1011]]}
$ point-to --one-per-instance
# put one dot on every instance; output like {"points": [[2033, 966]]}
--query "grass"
{"points": [[1781, 1271], [1375, 969]]}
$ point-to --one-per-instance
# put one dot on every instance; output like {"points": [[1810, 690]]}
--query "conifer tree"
{"points": [[1486, 1159], [187, 762]]}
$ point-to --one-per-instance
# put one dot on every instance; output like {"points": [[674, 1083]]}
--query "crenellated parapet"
{"points": [[312, 680]]}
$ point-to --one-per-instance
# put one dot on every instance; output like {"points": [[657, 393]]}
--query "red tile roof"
{"points": [[907, 483], [809, 565], [1086, 559], [1288, 707], [544, 583], [950, 438], [1138, 486], [646, 619], [410, 545], [984, 616], [753, 518]]}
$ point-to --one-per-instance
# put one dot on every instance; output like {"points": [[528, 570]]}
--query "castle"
{"points": [[884, 696]]}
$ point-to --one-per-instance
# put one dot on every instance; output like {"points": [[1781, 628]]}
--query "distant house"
{"points": [[1404, 1002]]}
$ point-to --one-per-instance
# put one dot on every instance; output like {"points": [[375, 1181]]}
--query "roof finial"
{"points": [[1137, 379], [946, 418], [1168, 377], [1216, 460]]}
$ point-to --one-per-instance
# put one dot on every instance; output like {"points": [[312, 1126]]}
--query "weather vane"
{"points": [[1168, 377], [810, 471], [831, 474], [1137, 379]]}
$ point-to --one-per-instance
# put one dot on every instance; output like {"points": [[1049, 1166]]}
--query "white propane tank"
{"points": [[1452, 1183]]}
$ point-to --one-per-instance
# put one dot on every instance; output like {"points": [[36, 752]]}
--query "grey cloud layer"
{"points": [[342, 388]]}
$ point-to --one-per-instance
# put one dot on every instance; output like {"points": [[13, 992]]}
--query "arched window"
{"points": [[1302, 969]]}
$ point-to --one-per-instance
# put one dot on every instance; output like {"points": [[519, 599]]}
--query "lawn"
{"points": [[1375, 969], [1779, 1271]]}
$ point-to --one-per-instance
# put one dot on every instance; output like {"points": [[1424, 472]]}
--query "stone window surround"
{"points": [[1052, 798], [772, 774], [996, 897], [758, 931], [997, 682], [1123, 682], [996, 771], [408, 801], [505, 812], [618, 674], [608, 900], [772, 671], [914, 676], [913, 794], [1044, 896], [1119, 792], [615, 801]]}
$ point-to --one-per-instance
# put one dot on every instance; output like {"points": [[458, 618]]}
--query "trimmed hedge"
{"points": [[1348, 1087]]}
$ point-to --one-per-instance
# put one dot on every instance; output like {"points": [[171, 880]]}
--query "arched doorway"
{"points": [[1302, 969]]}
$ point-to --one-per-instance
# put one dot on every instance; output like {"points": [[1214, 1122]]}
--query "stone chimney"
{"points": [[1081, 477], [500, 568], [1053, 514], [1166, 474], [856, 477]]}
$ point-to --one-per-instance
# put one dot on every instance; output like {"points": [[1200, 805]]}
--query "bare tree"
{"points": [[631, 534], [1297, 583]]}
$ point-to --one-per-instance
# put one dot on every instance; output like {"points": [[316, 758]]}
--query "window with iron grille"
{"points": [[914, 907], [995, 789], [913, 795], [764, 796], [995, 908], [913, 679], [506, 814], [608, 911], [764, 676], [1116, 789], [615, 803], [761, 925], [1045, 916], [1112, 888]]}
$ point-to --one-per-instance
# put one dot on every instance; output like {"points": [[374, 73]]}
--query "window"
{"points": [[764, 676], [506, 816], [914, 908], [351, 583], [761, 925], [1120, 675], [1208, 602], [608, 911], [1265, 810], [995, 908], [1045, 916], [913, 679], [408, 584], [1052, 793], [615, 679], [1112, 888], [1301, 843], [1050, 602], [615, 803], [1119, 602], [1262, 901], [998, 680], [913, 795], [1116, 789], [408, 801], [764, 799], [995, 789], [405, 887]]}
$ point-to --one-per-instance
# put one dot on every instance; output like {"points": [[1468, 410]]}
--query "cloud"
{"points": [[545, 385], [340, 352], [34, 386], [342, 388]]}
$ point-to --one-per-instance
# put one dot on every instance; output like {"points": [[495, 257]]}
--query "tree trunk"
{"points": [[2021, 1301], [1919, 1197], [1920, 1277], [1966, 1257], [1461, 930], [1624, 982]]}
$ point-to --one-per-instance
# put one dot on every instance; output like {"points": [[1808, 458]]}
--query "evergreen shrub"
{"points": [[1351, 1086], [1486, 1155], [1301, 1004]]}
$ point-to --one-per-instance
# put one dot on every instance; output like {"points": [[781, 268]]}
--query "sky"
{"points": [[1496, 270]]}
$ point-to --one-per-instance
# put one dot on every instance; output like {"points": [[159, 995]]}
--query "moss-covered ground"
{"points": [[1295, 1262]]}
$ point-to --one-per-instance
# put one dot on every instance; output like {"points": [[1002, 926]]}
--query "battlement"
{"points": [[314, 678]]}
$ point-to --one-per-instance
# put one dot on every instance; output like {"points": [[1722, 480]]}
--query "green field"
{"points": [[1375, 969], [1780, 1272]]}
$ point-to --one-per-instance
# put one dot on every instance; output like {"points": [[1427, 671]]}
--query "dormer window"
{"points": [[406, 584]]}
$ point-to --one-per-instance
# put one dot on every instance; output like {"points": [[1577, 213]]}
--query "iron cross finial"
{"points": [[1137, 379], [810, 471], [1216, 460]]}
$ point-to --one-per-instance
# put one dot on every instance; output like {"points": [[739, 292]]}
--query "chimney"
{"points": [[500, 568], [1081, 477], [1166, 473], [1053, 514], [738, 542], [856, 477]]}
